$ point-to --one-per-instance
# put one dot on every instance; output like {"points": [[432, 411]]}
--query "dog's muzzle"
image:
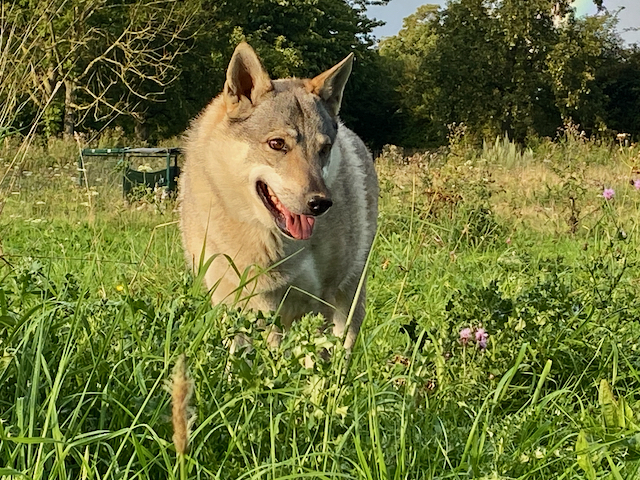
{"points": [[294, 225]]}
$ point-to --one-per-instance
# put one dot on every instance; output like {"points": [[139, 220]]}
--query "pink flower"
{"points": [[608, 193], [465, 335], [481, 338], [636, 184]]}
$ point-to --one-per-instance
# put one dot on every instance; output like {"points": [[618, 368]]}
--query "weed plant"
{"points": [[499, 341]]}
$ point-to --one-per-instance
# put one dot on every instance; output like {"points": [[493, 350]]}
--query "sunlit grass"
{"points": [[96, 308]]}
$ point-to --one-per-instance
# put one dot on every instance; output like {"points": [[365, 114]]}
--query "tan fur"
{"points": [[181, 387], [229, 151]]}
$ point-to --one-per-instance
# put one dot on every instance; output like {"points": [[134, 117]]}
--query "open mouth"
{"points": [[293, 225]]}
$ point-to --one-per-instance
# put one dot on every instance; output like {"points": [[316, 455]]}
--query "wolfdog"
{"points": [[275, 186]]}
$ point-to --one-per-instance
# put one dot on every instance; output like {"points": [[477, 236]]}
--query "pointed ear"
{"points": [[329, 85], [247, 81]]}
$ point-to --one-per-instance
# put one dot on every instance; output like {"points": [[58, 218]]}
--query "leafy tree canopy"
{"points": [[514, 66], [152, 65], [499, 66]]}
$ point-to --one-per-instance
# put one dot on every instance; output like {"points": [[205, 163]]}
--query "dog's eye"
{"points": [[277, 144]]}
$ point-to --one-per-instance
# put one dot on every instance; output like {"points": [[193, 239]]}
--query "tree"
{"points": [[583, 49], [620, 82], [500, 66], [14, 54], [106, 56], [294, 38], [407, 55], [157, 63]]}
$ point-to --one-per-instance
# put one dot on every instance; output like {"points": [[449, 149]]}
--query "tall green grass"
{"points": [[96, 308]]}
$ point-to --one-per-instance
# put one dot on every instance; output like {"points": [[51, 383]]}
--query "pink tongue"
{"points": [[299, 226]]}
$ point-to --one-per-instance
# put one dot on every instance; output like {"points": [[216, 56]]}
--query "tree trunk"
{"points": [[69, 114], [140, 128]]}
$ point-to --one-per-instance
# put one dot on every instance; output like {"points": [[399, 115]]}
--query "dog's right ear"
{"points": [[247, 81]]}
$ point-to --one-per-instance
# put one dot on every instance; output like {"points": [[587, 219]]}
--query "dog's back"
{"points": [[273, 181]]}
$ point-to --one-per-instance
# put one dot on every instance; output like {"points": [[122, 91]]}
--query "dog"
{"points": [[280, 196]]}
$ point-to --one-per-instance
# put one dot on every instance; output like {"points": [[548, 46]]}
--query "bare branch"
{"points": [[111, 66]]}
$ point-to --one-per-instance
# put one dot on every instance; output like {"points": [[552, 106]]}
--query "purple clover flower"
{"points": [[636, 184], [608, 193], [465, 335], [481, 338]]}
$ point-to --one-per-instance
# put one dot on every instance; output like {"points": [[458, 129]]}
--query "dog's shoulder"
{"points": [[352, 141]]}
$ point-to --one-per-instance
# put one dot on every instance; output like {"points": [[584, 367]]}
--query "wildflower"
{"points": [[636, 184], [539, 453], [120, 288], [608, 193], [465, 335], [481, 338]]}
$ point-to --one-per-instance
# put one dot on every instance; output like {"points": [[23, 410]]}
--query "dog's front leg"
{"points": [[346, 328]]}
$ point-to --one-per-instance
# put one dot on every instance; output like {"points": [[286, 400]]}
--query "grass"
{"points": [[96, 309]]}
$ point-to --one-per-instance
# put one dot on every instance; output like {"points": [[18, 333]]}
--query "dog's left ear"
{"points": [[329, 85]]}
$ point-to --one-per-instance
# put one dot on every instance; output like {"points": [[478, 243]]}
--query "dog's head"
{"points": [[290, 126]]}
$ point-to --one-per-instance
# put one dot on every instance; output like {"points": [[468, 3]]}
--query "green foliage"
{"points": [[509, 67], [407, 56], [583, 49], [502, 67], [150, 67], [614, 438], [296, 38], [96, 308], [621, 86], [91, 61]]}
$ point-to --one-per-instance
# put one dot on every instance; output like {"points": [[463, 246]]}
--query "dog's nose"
{"points": [[318, 204]]}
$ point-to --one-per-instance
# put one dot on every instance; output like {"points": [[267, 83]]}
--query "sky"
{"points": [[396, 10]]}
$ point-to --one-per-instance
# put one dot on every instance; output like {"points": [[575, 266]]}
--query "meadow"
{"points": [[502, 336]]}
